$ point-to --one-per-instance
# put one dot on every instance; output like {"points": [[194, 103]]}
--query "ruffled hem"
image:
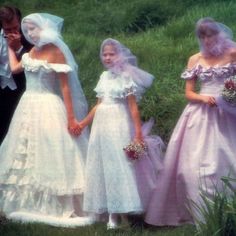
{"points": [[71, 222], [34, 65], [20, 180], [202, 73], [125, 210], [22, 177], [33, 198]]}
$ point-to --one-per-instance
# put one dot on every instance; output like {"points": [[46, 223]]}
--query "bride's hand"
{"points": [[74, 127]]}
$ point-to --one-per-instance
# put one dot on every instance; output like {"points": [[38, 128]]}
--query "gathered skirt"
{"points": [[201, 150], [42, 165], [110, 178]]}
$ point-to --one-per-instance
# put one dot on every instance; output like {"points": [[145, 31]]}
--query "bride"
{"points": [[42, 158]]}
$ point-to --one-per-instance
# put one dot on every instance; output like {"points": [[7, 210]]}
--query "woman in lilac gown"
{"points": [[202, 146]]}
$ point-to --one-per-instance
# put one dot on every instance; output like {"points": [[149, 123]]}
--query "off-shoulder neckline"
{"points": [[41, 60], [216, 66]]}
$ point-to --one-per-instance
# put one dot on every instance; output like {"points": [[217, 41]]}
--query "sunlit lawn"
{"points": [[8, 228]]}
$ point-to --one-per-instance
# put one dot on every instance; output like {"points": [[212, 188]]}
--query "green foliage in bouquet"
{"points": [[229, 91]]}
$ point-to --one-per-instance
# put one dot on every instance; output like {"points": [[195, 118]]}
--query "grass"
{"points": [[161, 35], [218, 213], [99, 229]]}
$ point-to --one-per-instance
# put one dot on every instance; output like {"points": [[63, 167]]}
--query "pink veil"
{"points": [[207, 27]]}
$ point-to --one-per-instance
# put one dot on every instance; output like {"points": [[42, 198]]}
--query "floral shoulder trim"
{"points": [[123, 87], [34, 65], [203, 73]]}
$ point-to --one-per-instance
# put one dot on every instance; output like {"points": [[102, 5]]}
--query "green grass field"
{"points": [[99, 229], [161, 35]]}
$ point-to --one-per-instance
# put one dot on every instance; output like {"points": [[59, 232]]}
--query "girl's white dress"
{"points": [[42, 165], [110, 177]]}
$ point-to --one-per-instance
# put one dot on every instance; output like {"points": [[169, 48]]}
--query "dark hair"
{"points": [[7, 14]]}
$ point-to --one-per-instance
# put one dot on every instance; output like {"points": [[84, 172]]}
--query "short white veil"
{"points": [[51, 26], [127, 62]]}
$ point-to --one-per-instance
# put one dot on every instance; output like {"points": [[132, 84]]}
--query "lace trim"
{"points": [[35, 65], [20, 174], [119, 94], [121, 90], [29, 198]]}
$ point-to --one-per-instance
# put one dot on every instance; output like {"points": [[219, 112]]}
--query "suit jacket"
{"points": [[10, 98]]}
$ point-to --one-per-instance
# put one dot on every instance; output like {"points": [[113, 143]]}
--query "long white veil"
{"points": [[51, 26]]}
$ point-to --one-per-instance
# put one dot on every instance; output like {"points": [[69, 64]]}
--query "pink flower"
{"points": [[230, 84], [134, 150], [229, 91]]}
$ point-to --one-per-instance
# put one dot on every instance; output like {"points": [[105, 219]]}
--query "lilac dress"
{"points": [[201, 150]]}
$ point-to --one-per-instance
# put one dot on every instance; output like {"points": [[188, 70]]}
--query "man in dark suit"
{"points": [[10, 19]]}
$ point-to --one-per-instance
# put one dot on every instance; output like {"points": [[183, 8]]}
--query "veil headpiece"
{"points": [[50, 32], [126, 62], [222, 37]]}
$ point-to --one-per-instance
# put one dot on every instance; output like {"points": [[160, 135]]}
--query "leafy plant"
{"points": [[216, 215]]}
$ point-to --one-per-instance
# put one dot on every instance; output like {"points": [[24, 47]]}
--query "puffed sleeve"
{"points": [[99, 89], [117, 86], [130, 87], [190, 73]]}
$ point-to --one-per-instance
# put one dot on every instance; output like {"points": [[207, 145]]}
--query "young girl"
{"points": [[110, 179]]}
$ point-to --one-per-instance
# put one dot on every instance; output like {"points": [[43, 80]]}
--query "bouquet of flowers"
{"points": [[135, 150], [229, 91]]}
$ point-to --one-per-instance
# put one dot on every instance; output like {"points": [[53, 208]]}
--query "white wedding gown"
{"points": [[42, 165]]}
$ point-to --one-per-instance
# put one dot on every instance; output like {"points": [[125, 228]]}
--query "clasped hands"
{"points": [[75, 128]]}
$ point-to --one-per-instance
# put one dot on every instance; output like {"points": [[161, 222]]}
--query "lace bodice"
{"points": [[212, 78], [41, 76], [117, 86]]}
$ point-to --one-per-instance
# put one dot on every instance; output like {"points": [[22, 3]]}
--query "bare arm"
{"points": [[73, 124], [133, 107], [15, 65], [190, 92], [233, 54], [66, 96], [88, 119]]}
